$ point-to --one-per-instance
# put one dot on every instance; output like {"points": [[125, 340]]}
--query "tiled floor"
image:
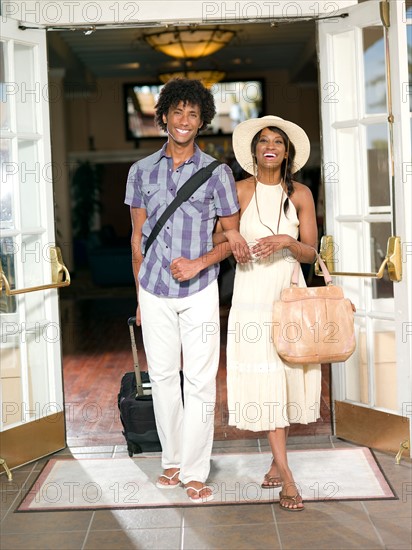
{"points": [[96, 353], [381, 524]]}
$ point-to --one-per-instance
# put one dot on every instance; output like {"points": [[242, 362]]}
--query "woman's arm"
{"points": [[308, 229]]}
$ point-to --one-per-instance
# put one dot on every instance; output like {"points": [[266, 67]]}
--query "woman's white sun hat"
{"points": [[245, 132]]}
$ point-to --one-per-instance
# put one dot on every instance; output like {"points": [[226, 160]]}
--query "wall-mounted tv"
{"points": [[235, 100]]}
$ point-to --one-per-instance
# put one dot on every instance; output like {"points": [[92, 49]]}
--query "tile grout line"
{"points": [[10, 508], [276, 526], [373, 525], [182, 531], [88, 531], [19, 493]]}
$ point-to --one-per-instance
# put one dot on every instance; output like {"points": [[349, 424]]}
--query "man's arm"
{"points": [[238, 245], [138, 217], [183, 269]]}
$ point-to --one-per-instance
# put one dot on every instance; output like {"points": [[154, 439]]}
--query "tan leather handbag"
{"points": [[313, 325]]}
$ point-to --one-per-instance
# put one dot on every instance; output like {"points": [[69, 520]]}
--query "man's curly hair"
{"points": [[189, 91]]}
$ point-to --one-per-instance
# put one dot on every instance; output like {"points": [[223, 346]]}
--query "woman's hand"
{"points": [[270, 245], [239, 246]]}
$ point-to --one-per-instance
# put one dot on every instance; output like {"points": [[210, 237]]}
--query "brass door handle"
{"points": [[60, 276], [392, 260]]}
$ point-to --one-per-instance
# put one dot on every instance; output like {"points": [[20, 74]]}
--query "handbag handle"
{"points": [[326, 275]]}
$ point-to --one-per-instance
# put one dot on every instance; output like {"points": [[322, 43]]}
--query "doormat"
{"points": [[112, 483]]}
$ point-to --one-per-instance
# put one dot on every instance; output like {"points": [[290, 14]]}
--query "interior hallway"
{"points": [[96, 353]]}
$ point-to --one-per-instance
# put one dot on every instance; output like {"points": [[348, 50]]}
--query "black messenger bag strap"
{"points": [[193, 183]]}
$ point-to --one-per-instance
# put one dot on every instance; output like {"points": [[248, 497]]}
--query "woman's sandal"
{"points": [[294, 500], [271, 482], [198, 491], [160, 485]]}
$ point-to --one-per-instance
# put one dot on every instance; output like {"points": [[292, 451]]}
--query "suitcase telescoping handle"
{"points": [[139, 387]]}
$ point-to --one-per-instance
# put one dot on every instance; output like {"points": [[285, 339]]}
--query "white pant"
{"points": [[170, 327]]}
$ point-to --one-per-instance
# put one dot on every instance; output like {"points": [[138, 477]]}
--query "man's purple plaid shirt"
{"points": [[152, 184]]}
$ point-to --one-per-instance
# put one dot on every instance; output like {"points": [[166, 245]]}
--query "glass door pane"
{"points": [[374, 68], [28, 88], [378, 166], [4, 106]]}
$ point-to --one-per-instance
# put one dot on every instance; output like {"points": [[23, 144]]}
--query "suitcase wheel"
{"points": [[133, 448]]}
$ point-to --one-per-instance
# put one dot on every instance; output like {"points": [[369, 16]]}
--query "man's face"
{"points": [[183, 122]]}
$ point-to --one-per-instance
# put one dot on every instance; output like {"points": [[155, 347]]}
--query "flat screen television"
{"points": [[235, 100]]}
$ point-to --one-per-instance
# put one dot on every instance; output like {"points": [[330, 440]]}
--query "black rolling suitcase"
{"points": [[136, 406]]}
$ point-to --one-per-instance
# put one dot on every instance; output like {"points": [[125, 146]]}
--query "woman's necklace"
{"points": [[280, 206]]}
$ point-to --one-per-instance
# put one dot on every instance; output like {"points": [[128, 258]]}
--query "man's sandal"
{"points": [[271, 482], [294, 500], [198, 491], [168, 485]]}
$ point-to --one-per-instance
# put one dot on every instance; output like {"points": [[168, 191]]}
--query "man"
{"points": [[176, 282]]}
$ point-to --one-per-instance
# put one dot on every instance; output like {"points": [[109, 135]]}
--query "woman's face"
{"points": [[270, 149]]}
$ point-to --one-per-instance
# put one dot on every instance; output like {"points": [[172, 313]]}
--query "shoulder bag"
{"points": [[315, 324]]}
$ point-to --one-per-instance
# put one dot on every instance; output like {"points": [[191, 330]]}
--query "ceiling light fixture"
{"points": [[190, 42], [207, 77]]}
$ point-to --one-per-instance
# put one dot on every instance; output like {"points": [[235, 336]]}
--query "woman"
{"points": [[264, 393]]}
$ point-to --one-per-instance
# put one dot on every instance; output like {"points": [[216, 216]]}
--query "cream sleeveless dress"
{"points": [[264, 393]]}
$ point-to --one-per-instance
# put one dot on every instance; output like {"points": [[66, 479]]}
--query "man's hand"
{"points": [[138, 316], [183, 269]]}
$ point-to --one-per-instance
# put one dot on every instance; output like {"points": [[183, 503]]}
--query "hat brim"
{"points": [[245, 132]]}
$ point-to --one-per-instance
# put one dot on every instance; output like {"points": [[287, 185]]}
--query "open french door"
{"points": [[366, 194], [366, 145], [32, 419]]}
